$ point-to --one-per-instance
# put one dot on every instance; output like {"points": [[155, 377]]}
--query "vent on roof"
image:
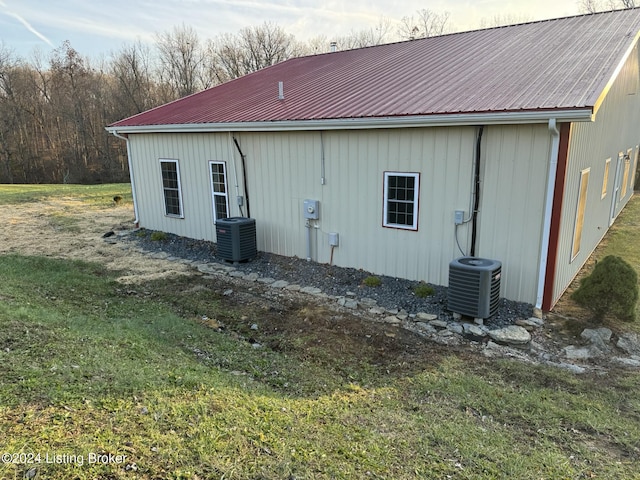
{"points": [[474, 286], [280, 90], [236, 238]]}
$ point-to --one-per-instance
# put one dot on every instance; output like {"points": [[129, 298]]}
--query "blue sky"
{"points": [[98, 28]]}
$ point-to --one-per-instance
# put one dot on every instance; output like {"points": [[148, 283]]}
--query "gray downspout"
{"points": [[548, 210]]}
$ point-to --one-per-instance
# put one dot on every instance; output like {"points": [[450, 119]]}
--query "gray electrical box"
{"points": [[334, 239], [311, 209]]}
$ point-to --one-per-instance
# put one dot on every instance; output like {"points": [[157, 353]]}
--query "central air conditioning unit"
{"points": [[474, 286], [236, 238]]}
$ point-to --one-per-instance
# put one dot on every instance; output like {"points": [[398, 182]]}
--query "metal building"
{"points": [[516, 143]]}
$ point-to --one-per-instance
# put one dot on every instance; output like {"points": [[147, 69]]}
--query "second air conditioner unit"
{"points": [[474, 286]]}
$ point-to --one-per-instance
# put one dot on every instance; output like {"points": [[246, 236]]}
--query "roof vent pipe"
{"points": [[333, 46], [280, 90]]}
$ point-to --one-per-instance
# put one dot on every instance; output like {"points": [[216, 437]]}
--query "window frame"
{"points": [[415, 201], [581, 206], [165, 189], [215, 194], [605, 178], [625, 175]]}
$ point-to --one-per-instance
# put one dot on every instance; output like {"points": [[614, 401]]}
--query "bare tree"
{"points": [[368, 37], [593, 6], [425, 23], [502, 19], [131, 68], [252, 49], [181, 60]]}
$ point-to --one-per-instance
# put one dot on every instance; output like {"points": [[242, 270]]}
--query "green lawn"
{"points": [[92, 367]]}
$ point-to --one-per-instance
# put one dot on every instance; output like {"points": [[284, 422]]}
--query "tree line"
{"points": [[54, 107]]}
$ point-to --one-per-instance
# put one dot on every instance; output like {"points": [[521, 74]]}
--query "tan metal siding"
{"points": [[193, 152], [514, 176], [616, 129], [285, 169]]}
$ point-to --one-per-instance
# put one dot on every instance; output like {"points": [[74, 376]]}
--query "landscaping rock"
{"points": [[630, 343], [392, 319], [628, 362], [266, 280], [279, 284], [348, 303], [582, 353], [455, 327], [529, 323], [567, 366], [311, 290], [511, 335], [597, 336], [367, 302], [439, 323], [474, 331], [422, 316]]}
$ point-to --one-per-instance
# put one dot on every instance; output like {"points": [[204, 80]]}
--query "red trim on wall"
{"points": [[554, 235]]}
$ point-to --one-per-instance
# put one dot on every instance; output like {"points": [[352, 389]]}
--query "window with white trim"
{"points": [[219, 195], [401, 192], [171, 188]]}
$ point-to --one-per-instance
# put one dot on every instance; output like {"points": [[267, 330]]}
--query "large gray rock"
{"points": [[511, 335], [474, 331], [598, 336], [630, 343], [583, 353]]}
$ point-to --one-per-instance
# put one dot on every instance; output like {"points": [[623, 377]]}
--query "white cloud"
{"points": [[25, 23]]}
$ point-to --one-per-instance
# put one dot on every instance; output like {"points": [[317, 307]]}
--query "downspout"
{"points": [[131, 178], [548, 210]]}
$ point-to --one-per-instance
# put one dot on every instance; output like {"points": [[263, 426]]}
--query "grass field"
{"points": [[100, 380]]}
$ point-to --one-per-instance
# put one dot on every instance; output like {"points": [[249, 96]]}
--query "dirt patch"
{"points": [[66, 228]]}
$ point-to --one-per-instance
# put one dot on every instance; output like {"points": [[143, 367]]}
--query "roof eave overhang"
{"points": [[444, 120]]}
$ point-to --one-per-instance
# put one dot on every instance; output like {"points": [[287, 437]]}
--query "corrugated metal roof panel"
{"points": [[555, 64]]}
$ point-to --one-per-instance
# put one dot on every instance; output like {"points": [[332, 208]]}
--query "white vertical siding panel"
{"points": [[356, 162], [193, 151], [514, 173], [616, 129]]}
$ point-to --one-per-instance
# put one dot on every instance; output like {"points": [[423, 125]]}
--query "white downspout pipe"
{"points": [[548, 210], [131, 177]]}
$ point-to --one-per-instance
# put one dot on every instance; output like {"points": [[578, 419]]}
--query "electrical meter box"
{"points": [[311, 209]]}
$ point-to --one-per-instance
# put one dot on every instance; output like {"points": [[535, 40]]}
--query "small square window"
{"points": [[401, 200]]}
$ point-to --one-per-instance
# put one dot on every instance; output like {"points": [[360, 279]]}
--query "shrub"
{"points": [[423, 290], [372, 281], [612, 288], [158, 236]]}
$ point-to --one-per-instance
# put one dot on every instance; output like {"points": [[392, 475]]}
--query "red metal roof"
{"points": [[555, 64]]}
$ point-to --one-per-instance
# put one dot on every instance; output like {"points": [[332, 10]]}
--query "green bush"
{"points": [[612, 288], [372, 281], [423, 290], [158, 236]]}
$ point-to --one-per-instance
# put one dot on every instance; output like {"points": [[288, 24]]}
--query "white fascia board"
{"points": [[501, 118]]}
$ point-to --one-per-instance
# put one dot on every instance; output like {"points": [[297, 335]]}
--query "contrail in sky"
{"points": [[27, 25]]}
